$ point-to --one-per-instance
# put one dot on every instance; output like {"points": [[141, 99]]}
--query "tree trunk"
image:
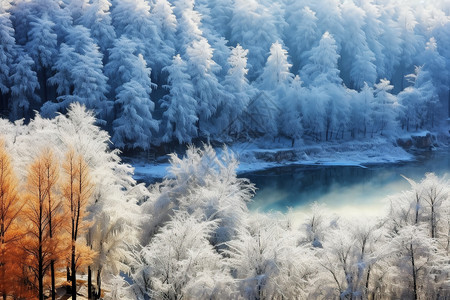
{"points": [[417, 208], [414, 275], [433, 221], [89, 282], [40, 274], [52, 271], [73, 273], [68, 278], [99, 283], [52, 262], [367, 283], [40, 255]]}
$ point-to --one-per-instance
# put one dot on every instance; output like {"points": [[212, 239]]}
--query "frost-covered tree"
{"points": [[315, 225], [124, 64], [179, 118], [276, 79], [98, 19], [384, 108], [360, 121], [411, 43], [415, 256], [181, 263], [208, 92], [291, 111], [276, 73], [220, 12], [304, 32], [7, 49], [133, 123], [189, 23], [165, 20], [419, 102], [357, 59], [322, 63], [79, 74], [204, 184], [42, 48], [329, 13], [135, 20], [391, 41], [373, 29], [234, 111], [348, 255], [24, 85], [435, 64], [253, 26], [166, 25], [25, 12], [114, 217], [330, 105], [418, 224], [267, 261]]}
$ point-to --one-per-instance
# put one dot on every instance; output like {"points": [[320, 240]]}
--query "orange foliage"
{"points": [[40, 230], [10, 232], [77, 190], [45, 216]]}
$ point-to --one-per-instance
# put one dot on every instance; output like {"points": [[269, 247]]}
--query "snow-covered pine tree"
{"points": [[208, 92], [98, 19], [385, 108], [133, 124], [7, 51], [79, 74], [357, 59], [24, 84], [180, 117], [42, 48], [254, 27], [234, 112]]}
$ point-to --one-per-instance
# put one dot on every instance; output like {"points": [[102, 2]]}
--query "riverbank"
{"points": [[263, 154]]}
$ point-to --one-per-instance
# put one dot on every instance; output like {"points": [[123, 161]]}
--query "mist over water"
{"points": [[347, 190]]}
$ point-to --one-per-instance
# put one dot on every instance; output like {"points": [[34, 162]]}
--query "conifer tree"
{"points": [[180, 117], [24, 83], [42, 48]]}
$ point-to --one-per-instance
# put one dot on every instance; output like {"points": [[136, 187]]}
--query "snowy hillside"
{"points": [[179, 71]]}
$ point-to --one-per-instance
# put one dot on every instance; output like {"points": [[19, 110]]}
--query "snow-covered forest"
{"points": [[81, 80], [191, 236], [161, 71]]}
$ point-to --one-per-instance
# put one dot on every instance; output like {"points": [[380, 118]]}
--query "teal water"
{"points": [[347, 189]]}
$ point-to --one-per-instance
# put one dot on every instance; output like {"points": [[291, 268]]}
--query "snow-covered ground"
{"points": [[263, 154]]}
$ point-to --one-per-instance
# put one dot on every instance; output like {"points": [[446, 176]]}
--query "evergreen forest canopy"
{"points": [[160, 71]]}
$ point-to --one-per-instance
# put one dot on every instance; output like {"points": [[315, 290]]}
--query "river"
{"points": [[346, 190]]}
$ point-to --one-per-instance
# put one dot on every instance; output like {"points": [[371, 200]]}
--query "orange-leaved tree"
{"points": [[77, 191], [56, 216], [10, 232], [43, 212]]}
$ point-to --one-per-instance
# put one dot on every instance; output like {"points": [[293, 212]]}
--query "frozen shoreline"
{"points": [[263, 155]]}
